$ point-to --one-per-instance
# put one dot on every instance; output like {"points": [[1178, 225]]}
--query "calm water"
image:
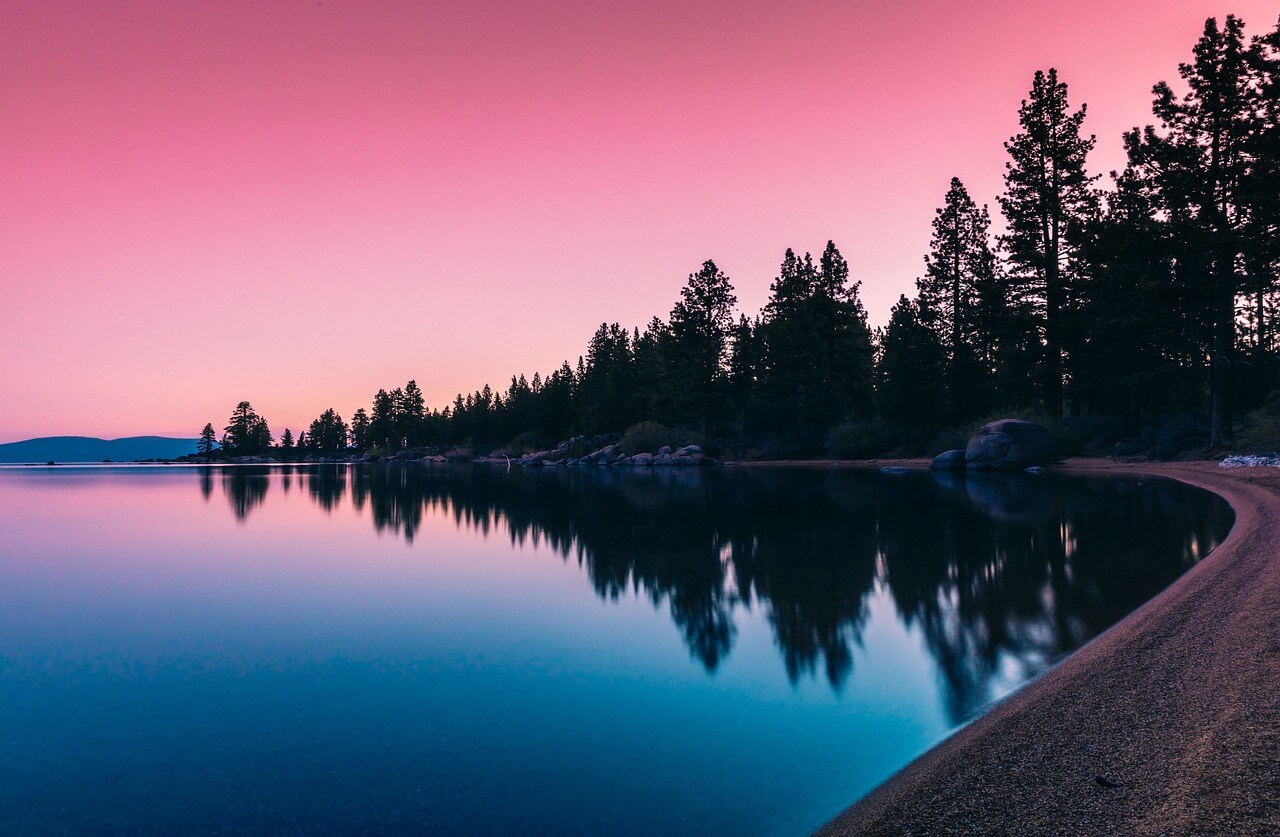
{"points": [[463, 650]]}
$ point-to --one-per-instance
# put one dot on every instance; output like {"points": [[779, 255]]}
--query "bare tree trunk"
{"points": [[1224, 335], [1052, 336]]}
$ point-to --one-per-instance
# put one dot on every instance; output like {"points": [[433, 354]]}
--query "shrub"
{"points": [[1260, 431], [1171, 437], [529, 441], [951, 438], [681, 435], [862, 438], [645, 437], [1087, 435]]}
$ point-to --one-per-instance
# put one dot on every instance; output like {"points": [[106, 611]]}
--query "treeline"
{"points": [[1149, 304]]}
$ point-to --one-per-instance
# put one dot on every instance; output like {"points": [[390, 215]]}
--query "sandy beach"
{"points": [[1168, 723]]}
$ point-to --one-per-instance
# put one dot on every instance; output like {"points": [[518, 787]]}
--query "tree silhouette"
{"points": [[912, 383], [1048, 204], [1200, 169], [246, 432], [700, 325], [328, 433], [964, 300]]}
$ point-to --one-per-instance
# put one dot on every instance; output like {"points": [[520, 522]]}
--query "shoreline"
{"points": [[1166, 723]]}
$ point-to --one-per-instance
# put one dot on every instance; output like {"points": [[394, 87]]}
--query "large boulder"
{"points": [[952, 460], [1010, 445]]}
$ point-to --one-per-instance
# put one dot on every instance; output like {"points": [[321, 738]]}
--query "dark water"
{"points": [[460, 650]]}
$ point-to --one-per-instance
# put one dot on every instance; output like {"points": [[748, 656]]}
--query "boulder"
{"points": [[662, 459], [952, 460], [1010, 444], [642, 459], [665, 450]]}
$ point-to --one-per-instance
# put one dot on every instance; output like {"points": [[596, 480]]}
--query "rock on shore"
{"points": [[1004, 445]]}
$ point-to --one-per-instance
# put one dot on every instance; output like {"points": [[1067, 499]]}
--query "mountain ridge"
{"points": [[94, 449]]}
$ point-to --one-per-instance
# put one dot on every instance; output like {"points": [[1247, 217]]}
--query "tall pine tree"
{"points": [[1048, 204], [1201, 168], [700, 326], [960, 296]]}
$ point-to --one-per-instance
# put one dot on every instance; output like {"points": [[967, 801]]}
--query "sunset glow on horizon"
{"points": [[297, 203]]}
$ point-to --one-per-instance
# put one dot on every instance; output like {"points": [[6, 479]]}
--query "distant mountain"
{"points": [[89, 449]]}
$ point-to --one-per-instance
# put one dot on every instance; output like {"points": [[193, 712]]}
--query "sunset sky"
{"points": [[295, 203]]}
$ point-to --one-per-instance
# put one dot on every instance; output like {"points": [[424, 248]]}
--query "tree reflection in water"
{"points": [[245, 487], [995, 571]]}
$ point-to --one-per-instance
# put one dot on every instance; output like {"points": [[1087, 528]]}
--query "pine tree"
{"points": [[700, 323], [411, 418], [745, 363], [842, 321], [1048, 203], [382, 421], [246, 432], [651, 351], [816, 367], [286, 439], [910, 384], [1137, 357], [1201, 169], [606, 380], [207, 440], [960, 276], [328, 433], [1263, 232], [360, 429]]}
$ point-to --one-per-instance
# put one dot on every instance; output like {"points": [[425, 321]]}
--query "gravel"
{"points": [[1168, 723]]}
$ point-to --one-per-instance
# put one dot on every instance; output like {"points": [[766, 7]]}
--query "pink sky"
{"points": [[297, 202]]}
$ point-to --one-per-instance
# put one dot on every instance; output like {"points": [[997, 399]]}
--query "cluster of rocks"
{"points": [[610, 455], [454, 455], [1254, 461], [1004, 445]]}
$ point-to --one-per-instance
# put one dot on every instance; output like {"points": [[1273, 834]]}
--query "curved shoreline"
{"points": [[1167, 723]]}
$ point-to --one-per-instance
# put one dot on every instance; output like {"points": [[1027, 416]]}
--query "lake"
{"points": [[458, 649]]}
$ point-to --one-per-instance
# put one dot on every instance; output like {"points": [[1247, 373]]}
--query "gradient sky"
{"points": [[298, 202]]}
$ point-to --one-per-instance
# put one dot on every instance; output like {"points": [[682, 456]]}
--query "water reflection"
{"points": [[1001, 574], [246, 489]]}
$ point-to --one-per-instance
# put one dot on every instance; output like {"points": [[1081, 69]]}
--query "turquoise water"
{"points": [[461, 650]]}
